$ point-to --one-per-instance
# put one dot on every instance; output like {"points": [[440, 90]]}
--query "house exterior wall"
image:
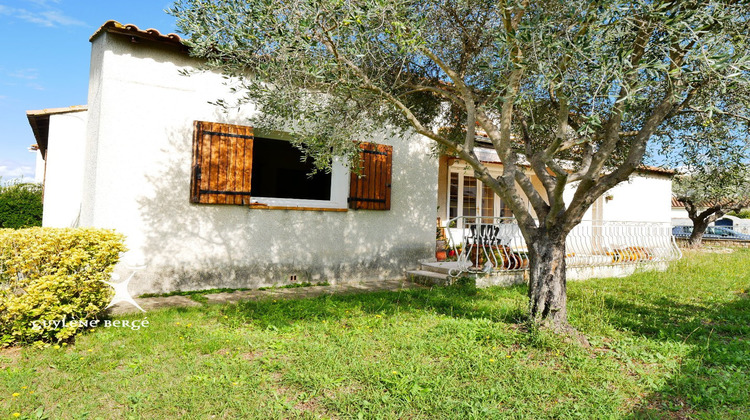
{"points": [[92, 132], [64, 169], [39, 169], [645, 197], [137, 179]]}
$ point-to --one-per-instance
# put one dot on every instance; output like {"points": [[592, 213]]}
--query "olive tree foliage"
{"points": [[569, 92], [711, 145]]}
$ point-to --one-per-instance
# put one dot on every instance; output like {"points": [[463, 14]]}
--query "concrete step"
{"points": [[427, 278], [438, 267]]}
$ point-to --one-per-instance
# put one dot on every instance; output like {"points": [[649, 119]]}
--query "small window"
{"points": [[280, 171], [233, 166]]}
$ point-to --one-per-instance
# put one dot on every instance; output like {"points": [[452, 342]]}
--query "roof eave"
{"points": [[39, 122], [136, 34]]}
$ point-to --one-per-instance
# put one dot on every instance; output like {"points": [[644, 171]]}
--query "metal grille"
{"points": [[482, 244]]}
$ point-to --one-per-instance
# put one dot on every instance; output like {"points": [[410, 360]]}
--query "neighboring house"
{"points": [[737, 224], [680, 218], [206, 201]]}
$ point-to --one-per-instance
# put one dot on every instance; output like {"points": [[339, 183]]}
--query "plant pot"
{"points": [[441, 255]]}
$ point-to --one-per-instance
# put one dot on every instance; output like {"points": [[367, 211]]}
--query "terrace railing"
{"points": [[491, 244]]}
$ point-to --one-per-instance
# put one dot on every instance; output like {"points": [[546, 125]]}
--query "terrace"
{"points": [[494, 250]]}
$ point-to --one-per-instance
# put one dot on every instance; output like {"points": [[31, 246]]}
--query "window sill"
{"points": [[258, 206]]}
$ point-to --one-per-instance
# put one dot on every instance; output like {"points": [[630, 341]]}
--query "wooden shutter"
{"points": [[371, 189], [222, 163]]}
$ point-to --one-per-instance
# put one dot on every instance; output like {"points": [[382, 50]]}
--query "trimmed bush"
{"points": [[20, 205], [49, 275], [744, 214]]}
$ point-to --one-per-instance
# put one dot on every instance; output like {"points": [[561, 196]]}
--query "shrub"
{"points": [[20, 205], [744, 214], [49, 275]]}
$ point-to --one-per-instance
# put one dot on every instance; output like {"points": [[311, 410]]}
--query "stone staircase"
{"points": [[431, 273]]}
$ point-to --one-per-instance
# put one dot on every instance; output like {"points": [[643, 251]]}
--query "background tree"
{"points": [[574, 89], [20, 204], [711, 144], [711, 193]]}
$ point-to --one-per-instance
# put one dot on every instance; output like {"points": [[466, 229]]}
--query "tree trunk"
{"points": [[696, 237], [547, 282]]}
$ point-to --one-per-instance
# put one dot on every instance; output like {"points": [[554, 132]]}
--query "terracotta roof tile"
{"points": [[133, 31], [656, 169], [709, 203]]}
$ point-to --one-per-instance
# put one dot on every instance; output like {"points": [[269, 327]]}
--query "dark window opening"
{"points": [[280, 172]]}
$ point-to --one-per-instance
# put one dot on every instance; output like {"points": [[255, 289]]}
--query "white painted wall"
{"points": [[39, 168], [680, 217], [645, 197], [137, 178], [65, 164]]}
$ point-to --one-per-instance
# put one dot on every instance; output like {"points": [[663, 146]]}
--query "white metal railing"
{"points": [[744, 228], [487, 244]]}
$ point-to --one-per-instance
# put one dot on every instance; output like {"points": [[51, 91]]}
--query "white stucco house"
{"points": [[206, 201]]}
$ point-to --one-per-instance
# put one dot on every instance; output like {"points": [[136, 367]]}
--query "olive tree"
{"points": [[710, 143], [711, 192], [574, 90]]}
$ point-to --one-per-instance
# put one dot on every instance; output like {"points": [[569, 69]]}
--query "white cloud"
{"points": [[35, 86], [10, 170], [43, 2], [43, 14], [28, 74]]}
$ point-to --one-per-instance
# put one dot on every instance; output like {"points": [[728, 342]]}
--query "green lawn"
{"points": [[663, 345]]}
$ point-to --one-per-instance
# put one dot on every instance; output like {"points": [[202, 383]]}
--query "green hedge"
{"points": [[20, 205], [49, 275]]}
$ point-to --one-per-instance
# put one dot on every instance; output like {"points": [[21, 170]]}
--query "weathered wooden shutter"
{"points": [[371, 189], [222, 163]]}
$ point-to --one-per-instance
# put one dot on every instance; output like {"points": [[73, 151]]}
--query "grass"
{"points": [[196, 295], [296, 285], [663, 345], [200, 295]]}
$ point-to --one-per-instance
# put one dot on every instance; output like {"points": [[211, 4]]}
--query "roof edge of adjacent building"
{"points": [[39, 122], [136, 34]]}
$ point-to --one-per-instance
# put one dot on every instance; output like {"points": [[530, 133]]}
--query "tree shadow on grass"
{"points": [[714, 377], [712, 380], [459, 302]]}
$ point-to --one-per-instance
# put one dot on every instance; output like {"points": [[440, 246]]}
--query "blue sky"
{"points": [[44, 61]]}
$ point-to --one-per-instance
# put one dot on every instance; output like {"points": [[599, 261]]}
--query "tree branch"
{"points": [[468, 98]]}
